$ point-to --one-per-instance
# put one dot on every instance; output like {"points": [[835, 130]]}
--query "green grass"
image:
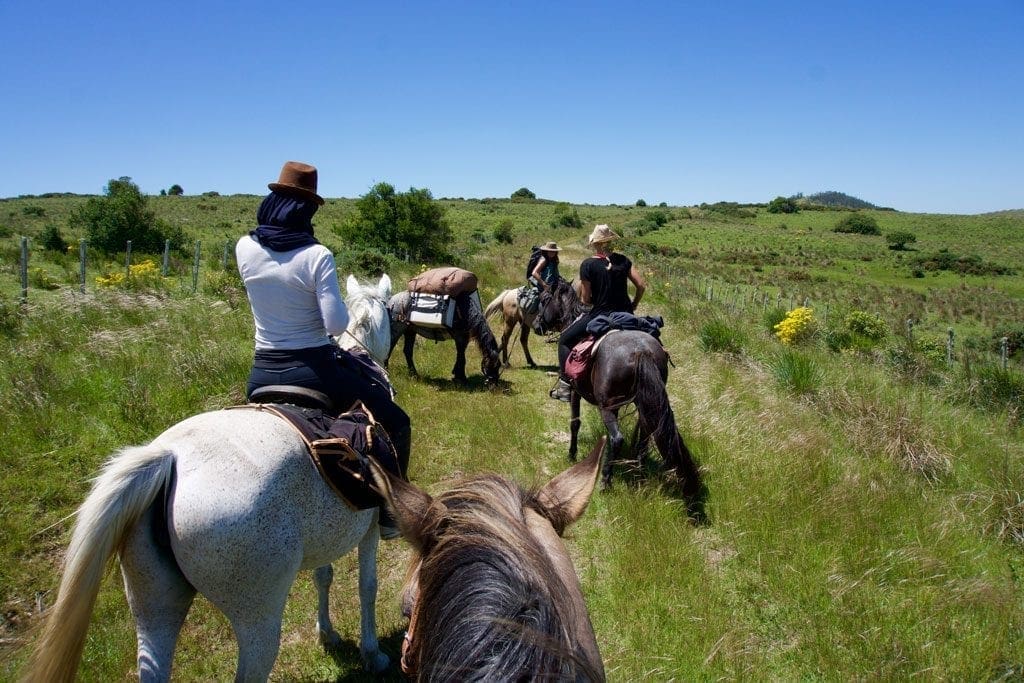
{"points": [[870, 529]]}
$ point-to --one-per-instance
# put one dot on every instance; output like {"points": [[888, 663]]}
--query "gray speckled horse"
{"points": [[226, 504]]}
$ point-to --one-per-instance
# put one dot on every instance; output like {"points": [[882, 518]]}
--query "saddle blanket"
{"points": [[340, 447]]}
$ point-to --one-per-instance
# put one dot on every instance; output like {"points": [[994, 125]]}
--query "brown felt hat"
{"points": [[550, 246], [297, 179]]}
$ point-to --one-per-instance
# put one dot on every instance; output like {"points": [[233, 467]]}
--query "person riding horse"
{"points": [[292, 285], [604, 279]]}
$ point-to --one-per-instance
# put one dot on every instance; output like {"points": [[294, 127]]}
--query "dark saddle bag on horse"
{"points": [[341, 446]]}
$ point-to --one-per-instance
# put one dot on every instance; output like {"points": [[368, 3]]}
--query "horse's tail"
{"points": [[125, 488], [654, 411], [496, 305]]}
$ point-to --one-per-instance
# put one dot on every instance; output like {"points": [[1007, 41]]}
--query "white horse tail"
{"points": [[127, 485], [495, 305]]}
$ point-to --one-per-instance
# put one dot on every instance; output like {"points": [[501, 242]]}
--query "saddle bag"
{"points": [[431, 310], [579, 358]]}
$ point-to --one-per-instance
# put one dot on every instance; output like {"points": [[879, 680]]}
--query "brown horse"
{"points": [[470, 324], [492, 594], [512, 314], [628, 366]]}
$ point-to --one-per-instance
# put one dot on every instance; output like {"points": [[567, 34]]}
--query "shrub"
{"points": [[899, 240], [33, 210], [503, 231], [991, 387], [366, 262], [797, 327], [640, 202], [5, 231], [772, 317], [523, 193], [971, 264], [796, 372], [52, 239], [566, 217], [1014, 339], [175, 190], [782, 205], [870, 326], [41, 279], [121, 215], [410, 224], [717, 336], [860, 223]]}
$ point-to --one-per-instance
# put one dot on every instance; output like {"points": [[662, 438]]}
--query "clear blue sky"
{"points": [[913, 105]]}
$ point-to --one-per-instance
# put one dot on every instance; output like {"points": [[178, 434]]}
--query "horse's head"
{"points": [[369, 325], [491, 591], [559, 306]]}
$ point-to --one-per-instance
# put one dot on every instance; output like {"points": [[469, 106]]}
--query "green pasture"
{"points": [[865, 520]]}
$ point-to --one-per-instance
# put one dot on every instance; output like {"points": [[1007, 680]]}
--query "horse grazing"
{"points": [[471, 325], [492, 593], [512, 314], [227, 504], [628, 366]]}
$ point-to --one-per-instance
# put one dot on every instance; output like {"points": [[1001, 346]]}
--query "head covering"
{"points": [[602, 233], [299, 180], [550, 246], [285, 222]]}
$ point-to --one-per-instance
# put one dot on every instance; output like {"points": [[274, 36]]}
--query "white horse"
{"points": [[227, 504]]}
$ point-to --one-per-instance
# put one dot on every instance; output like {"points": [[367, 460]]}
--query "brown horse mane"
{"points": [[488, 588]]}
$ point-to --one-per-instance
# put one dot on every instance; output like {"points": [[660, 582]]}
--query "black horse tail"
{"points": [[655, 417]]}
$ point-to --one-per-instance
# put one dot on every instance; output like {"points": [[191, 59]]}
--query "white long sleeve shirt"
{"points": [[294, 295]]}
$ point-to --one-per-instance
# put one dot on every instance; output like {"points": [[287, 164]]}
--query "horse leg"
{"points": [[459, 371], [574, 425], [159, 596], [322, 578], [506, 333], [374, 660], [610, 417], [407, 347], [524, 340]]}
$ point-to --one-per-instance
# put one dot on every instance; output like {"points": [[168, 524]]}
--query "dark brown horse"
{"points": [[492, 594], [628, 366], [469, 324]]}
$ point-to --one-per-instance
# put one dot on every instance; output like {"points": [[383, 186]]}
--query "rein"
{"points": [[410, 667]]}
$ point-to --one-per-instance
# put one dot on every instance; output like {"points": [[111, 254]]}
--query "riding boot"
{"points": [[562, 391]]}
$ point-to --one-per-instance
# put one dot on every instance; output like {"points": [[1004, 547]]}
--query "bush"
{"points": [[640, 202], [10, 317], [797, 327], [121, 215], [971, 264], [409, 224], [365, 262], [566, 217], [523, 193], [990, 387], [33, 210], [1014, 339], [41, 279], [782, 205], [503, 231], [859, 223], [717, 336], [899, 240], [52, 239], [175, 190], [772, 317]]}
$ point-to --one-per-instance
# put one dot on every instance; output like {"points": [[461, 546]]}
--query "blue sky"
{"points": [[913, 105]]}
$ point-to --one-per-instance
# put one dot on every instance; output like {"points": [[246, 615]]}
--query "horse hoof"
{"points": [[330, 640], [376, 662]]}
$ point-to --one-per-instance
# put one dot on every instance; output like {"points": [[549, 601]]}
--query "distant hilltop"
{"points": [[837, 199]]}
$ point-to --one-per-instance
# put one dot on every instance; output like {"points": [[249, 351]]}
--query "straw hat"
{"points": [[602, 233], [550, 246], [299, 180]]}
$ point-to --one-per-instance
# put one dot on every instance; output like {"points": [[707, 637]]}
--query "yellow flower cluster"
{"points": [[798, 325], [110, 279], [145, 271]]}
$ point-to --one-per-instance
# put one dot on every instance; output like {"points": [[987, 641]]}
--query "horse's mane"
{"points": [[489, 596], [563, 299]]}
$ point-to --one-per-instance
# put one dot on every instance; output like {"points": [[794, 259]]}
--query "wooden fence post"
{"points": [[224, 260], [167, 254], [949, 347], [128, 260], [195, 269], [1004, 348], [24, 271], [82, 251]]}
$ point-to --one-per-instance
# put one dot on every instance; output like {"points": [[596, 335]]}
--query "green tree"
{"points": [[409, 224], [899, 239], [121, 215], [782, 205], [641, 203], [860, 223], [52, 239], [175, 190], [523, 193]]}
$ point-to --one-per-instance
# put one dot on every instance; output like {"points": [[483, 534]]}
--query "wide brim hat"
{"points": [[602, 233], [299, 180], [550, 246]]}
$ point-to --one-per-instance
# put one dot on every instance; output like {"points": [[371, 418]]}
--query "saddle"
{"points": [[578, 362], [340, 445]]}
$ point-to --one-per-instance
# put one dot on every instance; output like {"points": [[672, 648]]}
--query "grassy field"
{"points": [[865, 514]]}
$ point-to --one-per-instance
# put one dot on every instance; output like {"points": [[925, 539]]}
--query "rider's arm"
{"points": [[537, 272], [638, 283], [328, 294], [585, 293]]}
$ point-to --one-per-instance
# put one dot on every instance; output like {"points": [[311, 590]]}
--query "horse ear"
{"points": [[406, 502], [352, 285], [565, 497], [385, 285]]}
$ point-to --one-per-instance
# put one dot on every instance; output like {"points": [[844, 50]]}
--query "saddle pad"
{"points": [[340, 446]]}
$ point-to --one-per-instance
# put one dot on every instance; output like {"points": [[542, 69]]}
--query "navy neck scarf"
{"points": [[285, 223]]}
